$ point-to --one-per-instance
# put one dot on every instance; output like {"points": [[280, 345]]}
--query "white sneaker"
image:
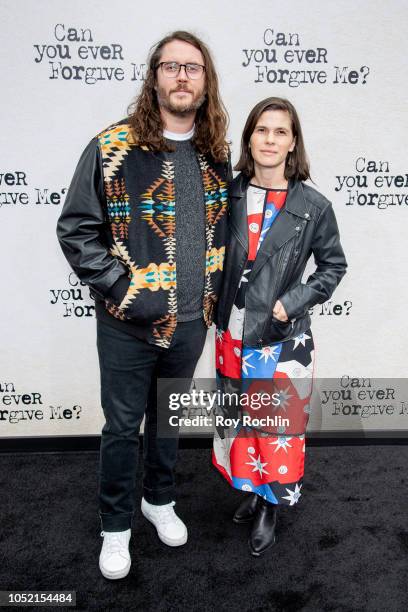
{"points": [[114, 560], [170, 528]]}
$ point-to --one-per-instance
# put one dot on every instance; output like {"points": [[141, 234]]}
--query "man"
{"points": [[144, 225]]}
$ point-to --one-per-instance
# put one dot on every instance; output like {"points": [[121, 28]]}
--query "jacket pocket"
{"points": [[151, 292], [144, 308], [279, 330]]}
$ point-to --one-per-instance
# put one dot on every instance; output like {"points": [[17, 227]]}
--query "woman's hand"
{"points": [[279, 312]]}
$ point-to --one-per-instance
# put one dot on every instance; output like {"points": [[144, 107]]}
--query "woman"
{"points": [[277, 222]]}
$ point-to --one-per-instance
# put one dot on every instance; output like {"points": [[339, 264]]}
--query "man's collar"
{"points": [[176, 136]]}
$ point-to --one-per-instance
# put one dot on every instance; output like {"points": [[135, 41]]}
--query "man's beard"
{"points": [[180, 109]]}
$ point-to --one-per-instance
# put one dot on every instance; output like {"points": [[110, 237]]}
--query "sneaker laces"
{"points": [[114, 541], [166, 514]]}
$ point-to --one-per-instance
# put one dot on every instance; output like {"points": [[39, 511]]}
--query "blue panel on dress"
{"points": [[247, 485], [260, 363]]}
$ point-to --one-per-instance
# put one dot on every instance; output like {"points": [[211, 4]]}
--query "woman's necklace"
{"points": [[276, 187]]}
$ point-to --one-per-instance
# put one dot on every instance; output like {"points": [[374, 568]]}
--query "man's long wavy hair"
{"points": [[297, 164], [211, 120]]}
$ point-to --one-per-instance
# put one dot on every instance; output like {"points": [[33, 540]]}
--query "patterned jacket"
{"points": [[117, 231]]}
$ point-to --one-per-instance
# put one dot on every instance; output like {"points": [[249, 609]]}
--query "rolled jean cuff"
{"points": [[116, 522], [159, 497]]}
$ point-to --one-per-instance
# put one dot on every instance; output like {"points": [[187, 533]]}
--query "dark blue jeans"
{"points": [[129, 371]]}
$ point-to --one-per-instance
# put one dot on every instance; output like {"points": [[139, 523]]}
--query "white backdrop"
{"points": [[70, 69]]}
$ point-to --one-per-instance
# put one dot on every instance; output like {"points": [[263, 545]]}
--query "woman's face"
{"points": [[272, 139]]}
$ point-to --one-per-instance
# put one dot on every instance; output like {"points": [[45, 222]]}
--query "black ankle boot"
{"points": [[247, 509], [262, 534]]}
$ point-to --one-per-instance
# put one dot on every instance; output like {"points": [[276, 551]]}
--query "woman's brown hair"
{"points": [[297, 164], [211, 119]]}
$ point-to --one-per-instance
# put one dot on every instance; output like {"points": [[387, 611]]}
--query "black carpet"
{"points": [[343, 547]]}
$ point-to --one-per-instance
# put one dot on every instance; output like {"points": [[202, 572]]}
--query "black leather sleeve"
{"points": [[330, 263], [81, 227]]}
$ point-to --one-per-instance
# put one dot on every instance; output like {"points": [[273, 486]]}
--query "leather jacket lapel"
{"points": [[238, 204], [287, 224]]}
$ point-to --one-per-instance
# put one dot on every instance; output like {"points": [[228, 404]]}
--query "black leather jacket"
{"points": [[305, 225]]}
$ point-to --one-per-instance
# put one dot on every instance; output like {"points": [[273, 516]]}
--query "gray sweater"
{"points": [[190, 231]]}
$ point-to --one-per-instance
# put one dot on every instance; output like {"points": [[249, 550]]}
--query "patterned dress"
{"points": [[264, 460]]}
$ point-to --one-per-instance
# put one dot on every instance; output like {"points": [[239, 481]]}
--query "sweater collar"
{"points": [[178, 137]]}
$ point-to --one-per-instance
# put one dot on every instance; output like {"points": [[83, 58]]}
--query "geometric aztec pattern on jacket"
{"points": [[140, 206]]}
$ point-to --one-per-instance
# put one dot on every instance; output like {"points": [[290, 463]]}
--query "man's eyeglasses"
{"points": [[172, 69]]}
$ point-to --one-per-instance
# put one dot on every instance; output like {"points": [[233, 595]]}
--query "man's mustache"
{"points": [[181, 88]]}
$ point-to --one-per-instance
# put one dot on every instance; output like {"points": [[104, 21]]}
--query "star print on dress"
{"points": [[244, 277], [300, 340], [303, 356], [293, 496], [245, 365], [269, 352], [262, 362], [281, 442], [275, 471], [267, 460], [219, 335], [258, 465], [284, 397], [263, 490]]}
